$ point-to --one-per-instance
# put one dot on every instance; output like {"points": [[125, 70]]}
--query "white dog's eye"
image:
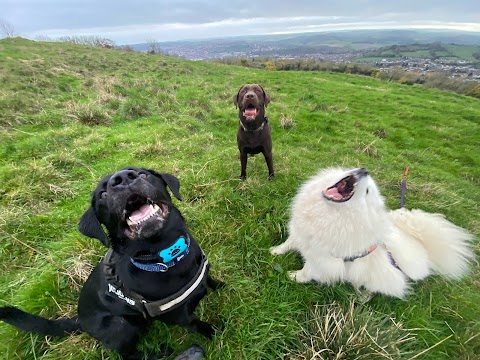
{"points": [[367, 191]]}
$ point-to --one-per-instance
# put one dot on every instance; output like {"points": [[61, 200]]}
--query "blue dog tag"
{"points": [[173, 251]]}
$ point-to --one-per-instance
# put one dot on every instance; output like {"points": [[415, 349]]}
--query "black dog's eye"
{"points": [[142, 175], [103, 195]]}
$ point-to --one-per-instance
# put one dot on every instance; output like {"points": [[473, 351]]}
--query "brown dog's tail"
{"points": [[36, 324]]}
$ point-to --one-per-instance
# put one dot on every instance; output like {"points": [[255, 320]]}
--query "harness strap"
{"points": [[158, 307], [116, 289], [358, 256], [370, 250]]}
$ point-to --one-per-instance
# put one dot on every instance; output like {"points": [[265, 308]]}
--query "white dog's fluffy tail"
{"points": [[447, 245]]}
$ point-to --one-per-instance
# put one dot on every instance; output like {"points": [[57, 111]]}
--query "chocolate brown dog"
{"points": [[254, 134]]}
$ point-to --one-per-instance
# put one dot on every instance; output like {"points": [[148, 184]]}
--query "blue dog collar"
{"points": [[170, 256]]}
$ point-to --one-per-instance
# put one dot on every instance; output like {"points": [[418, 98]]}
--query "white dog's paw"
{"points": [[274, 251], [298, 276], [364, 295], [278, 250]]}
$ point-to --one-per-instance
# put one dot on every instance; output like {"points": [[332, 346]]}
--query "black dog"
{"points": [[154, 269], [254, 134]]}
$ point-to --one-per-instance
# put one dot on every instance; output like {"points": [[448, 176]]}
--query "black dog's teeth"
{"points": [[155, 211]]}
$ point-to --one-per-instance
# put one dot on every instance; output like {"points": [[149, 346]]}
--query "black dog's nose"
{"points": [[123, 177]]}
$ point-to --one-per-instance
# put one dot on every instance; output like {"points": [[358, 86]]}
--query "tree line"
{"points": [[438, 79]]}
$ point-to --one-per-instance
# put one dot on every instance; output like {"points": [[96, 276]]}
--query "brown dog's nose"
{"points": [[123, 177], [249, 95]]}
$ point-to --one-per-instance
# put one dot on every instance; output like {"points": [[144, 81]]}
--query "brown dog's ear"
{"points": [[91, 227], [235, 98], [266, 97]]}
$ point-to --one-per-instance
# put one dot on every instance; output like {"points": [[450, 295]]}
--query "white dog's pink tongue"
{"points": [[250, 112], [141, 213], [333, 192]]}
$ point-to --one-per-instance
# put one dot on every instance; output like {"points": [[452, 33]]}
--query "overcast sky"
{"points": [[138, 21]]}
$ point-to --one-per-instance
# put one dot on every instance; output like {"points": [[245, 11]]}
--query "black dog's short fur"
{"points": [[254, 134], [108, 317]]}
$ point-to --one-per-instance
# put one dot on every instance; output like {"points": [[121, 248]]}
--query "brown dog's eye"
{"points": [[103, 195]]}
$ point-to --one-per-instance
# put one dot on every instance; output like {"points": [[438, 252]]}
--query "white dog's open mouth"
{"points": [[342, 190]]}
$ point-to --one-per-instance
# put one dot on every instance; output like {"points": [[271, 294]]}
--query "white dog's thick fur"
{"points": [[338, 215]]}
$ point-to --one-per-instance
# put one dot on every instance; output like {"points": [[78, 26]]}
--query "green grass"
{"points": [[71, 114]]}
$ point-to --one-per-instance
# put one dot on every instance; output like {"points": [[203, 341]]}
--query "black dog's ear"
{"points": [[91, 227], [172, 182]]}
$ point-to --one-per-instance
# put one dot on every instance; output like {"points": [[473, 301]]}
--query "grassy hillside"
{"points": [[71, 114], [430, 51]]}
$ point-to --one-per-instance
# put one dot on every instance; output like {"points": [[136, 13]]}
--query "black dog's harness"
{"points": [[116, 289], [260, 128]]}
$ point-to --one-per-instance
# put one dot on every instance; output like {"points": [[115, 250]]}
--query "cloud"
{"points": [[163, 20]]}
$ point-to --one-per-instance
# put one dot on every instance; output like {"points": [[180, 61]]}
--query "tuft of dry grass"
{"points": [[335, 332], [367, 149], [286, 122], [90, 113]]}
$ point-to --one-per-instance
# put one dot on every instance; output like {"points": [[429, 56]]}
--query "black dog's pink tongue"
{"points": [[141, 213]]}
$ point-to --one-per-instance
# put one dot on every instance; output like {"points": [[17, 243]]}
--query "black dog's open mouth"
{"points": [[143, 215], [342, 190], [250, 112]]}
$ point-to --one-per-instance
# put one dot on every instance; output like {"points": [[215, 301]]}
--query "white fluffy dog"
{"points": [[344, 232]]}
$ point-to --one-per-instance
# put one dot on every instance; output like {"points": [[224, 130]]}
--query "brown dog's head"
{"points": [[251, 100]]}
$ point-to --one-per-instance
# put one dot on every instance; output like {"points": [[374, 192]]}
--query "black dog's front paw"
{"points": [[206, 329], [214, 284]]}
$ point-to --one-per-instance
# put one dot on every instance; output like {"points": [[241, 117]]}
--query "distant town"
{"points": [[421, 52], [455, 67]]}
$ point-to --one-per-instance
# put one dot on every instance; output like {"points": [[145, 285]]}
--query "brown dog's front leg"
{"points": [[269, 160], [243, 163]]}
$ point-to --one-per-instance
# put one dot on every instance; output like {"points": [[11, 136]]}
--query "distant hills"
{"points": [[310, 44]]}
